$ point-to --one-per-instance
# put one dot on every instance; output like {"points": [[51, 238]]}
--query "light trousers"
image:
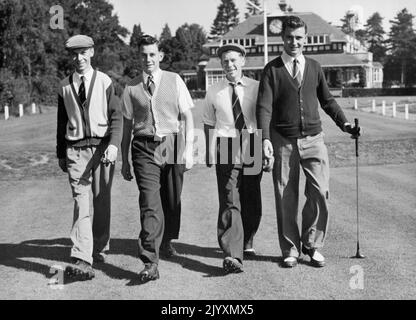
{"points": [[291, 154], [90, 231]]}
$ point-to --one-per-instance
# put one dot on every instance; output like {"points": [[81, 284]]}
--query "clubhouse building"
{"points": [[345, 61]]}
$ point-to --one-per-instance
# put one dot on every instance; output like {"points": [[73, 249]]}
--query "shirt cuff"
{"points": [[112, 147]]}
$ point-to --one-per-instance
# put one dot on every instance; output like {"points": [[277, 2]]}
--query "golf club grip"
{"points": [[356, 139]]}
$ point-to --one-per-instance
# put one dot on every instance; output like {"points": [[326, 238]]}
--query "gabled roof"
{"points": [[325, 60], [252, 27]]}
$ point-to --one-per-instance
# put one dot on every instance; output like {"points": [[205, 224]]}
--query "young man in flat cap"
{"points": [[152, 107], [229, 117], [88, 134]]}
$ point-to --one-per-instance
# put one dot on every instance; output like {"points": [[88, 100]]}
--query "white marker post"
{"points": [[394, 109], [406, 111], [355, 104], [6, 112], [33, 108], [20, 110], [383, 108], [374, 106]]}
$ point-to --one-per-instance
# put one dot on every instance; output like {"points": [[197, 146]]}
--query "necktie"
{"points": [[150, 85], [296, 73], [237, 112], [81, 91]]}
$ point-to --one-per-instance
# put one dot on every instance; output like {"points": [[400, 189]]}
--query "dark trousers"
{"points": [[160, 188], [240, 207]]}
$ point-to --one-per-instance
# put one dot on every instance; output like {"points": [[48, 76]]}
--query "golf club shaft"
{"points": [[356, 179]]}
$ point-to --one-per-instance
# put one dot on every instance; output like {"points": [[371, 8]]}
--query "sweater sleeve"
{"points": [[328, 103], [61, 129], [115, 116], [264, 105]]}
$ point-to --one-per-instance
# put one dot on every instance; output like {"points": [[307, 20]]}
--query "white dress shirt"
{"points": [[218, 109], [288, 61], [87, 81]]}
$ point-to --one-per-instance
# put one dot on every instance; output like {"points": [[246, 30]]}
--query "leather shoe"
{"points": [[80, 270], [311, 253], [167, 250], [232, 265], [249, 250], [98, 257], [290, 262], [150, 272]]}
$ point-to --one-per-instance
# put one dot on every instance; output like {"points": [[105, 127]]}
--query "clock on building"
{"points": [[275, 26]]}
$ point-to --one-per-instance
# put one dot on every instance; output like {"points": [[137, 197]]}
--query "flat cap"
{"points": [[79, 41], [231, 47]]}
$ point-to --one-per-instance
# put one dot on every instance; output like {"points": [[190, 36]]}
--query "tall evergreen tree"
{"points": [[375, 36], [166, 33], [252, 11], [226, 19], [402, 45], [135, 36], [348, 23]]}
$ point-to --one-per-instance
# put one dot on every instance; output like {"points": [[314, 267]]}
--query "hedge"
{"points": [[371, 92]]}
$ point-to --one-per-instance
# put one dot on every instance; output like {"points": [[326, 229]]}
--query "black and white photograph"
{"points": [[207, 155]]}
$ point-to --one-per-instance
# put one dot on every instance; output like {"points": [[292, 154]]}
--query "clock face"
{"points": [[275, 26]]}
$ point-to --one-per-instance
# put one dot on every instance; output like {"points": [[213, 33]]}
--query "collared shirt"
{"points": [[87, 81], [185, 101], [218, 109], [288, 61]]}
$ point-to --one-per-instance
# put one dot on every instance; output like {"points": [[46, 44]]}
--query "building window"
{"points": [[253, 42], [309, 39], [321, 39], [214, 77], [315, 39], [247, 42], [340, 46], [327, 48], [315, 48], [261, 50], [213, 51], [224, 42]]}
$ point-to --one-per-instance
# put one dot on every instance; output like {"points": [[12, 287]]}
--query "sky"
{"points": [[152, 15]]}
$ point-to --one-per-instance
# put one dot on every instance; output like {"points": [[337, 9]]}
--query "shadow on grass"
{"points": [[15, 255]]}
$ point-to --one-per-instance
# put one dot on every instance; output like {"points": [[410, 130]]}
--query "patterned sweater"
{"points": [[99, 118]]}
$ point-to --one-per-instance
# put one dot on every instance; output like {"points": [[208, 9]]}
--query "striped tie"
{"points": [[81, 91], [296, 73], [237, 112], [150, 85]]}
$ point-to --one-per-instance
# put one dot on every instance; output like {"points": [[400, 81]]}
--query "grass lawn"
{"points": [[37, 214]]}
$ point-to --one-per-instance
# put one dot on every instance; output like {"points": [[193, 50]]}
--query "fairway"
{"points": [[37, 213]]}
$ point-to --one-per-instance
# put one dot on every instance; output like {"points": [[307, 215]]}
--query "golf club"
{"points": [[358, 255]]}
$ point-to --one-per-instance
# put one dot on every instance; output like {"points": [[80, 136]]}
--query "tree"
{"points": [[135, 36], [166, 34], [348, 22], [252, 11], [184, 49], [375, 37], [402, 45], [226, 19]]}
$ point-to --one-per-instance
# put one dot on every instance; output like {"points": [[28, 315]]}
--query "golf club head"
{"points": [[358, 255]]}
